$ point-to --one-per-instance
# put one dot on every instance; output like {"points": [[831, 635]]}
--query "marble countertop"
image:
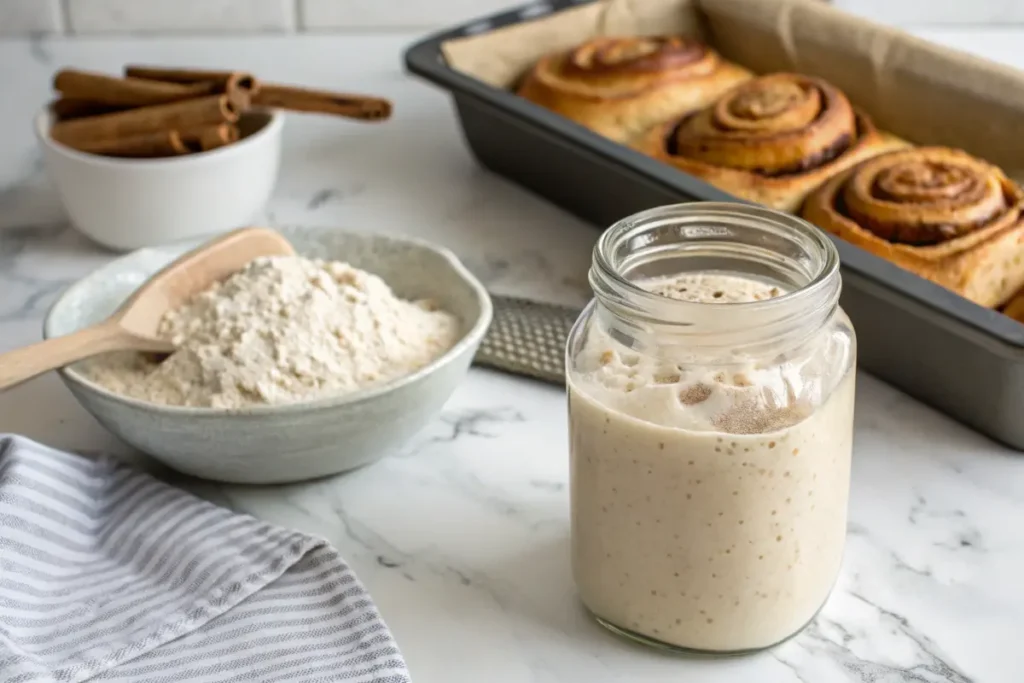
{"points": [[463, 536]]}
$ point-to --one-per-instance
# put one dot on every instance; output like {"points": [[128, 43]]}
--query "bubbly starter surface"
{"points": [[709, 503]]}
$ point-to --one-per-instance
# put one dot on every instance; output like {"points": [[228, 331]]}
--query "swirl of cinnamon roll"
{"points": [[657, 56], [938, 212], [771, 139], [620, 86]]}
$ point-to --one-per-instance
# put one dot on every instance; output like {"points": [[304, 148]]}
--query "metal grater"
{"points": [[527, 338]]}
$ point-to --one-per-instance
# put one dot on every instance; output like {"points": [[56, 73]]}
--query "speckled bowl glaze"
{"points": [[291, 442]]}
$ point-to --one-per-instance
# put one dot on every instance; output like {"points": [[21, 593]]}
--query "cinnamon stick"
{"points": [[359, 107], [207, 138], [244, 80], [212, 109], [124, 92], [70, 108], [161, 143]]}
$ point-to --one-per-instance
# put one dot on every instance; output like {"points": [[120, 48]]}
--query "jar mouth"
{"points": [[707, 227], [730, 238]]}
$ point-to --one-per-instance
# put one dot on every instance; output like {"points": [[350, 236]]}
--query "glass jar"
{"points": [[711, 385]]}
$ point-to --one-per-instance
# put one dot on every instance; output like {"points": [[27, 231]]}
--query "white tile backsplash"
{"points": [[920, 12], [336, 14], [180, 16], [28, 17]]}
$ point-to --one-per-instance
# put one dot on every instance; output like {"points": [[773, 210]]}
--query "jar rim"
{"points": [[824, 275]]}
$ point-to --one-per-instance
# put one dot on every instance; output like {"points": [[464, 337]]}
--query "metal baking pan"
{"points": [[961, 358]]}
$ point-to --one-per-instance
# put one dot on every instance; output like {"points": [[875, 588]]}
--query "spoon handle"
{"points": [[25, 363]]}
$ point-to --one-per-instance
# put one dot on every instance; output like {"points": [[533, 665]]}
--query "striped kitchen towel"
{"points": [[107, 574]]}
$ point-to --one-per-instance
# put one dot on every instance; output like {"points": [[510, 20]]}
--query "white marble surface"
{"points": [[462, 537]]}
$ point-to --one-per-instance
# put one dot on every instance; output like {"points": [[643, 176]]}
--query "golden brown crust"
{"points": [[1015, 309], [620, 87], [771, 140], [935, 211]]}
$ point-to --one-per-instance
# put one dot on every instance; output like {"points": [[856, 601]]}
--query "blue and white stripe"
{"points": [[107, 574]]}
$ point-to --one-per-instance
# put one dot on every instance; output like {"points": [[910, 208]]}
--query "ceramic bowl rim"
{"points": [[272, 128], [470, 338]]}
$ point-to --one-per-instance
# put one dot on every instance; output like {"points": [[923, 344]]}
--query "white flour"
{"points": [[283, 329]]}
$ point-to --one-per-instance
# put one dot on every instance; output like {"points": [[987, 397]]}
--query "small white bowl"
{"points": [[296, 441], [131, 203]]}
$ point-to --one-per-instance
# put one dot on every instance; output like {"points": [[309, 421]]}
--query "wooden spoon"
{"points": [[133, 327]]}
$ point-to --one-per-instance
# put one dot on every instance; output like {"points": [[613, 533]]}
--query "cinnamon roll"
{"points": [[619, 87], [937, 212], [771, 140]]}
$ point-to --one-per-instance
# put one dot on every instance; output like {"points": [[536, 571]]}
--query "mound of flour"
{"points": [[283, 329]]}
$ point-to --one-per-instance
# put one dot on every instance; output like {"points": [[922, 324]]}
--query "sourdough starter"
{"points": [[709, 504]]}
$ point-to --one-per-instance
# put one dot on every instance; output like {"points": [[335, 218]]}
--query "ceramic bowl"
{"points": [[290, 442], [126, 204]]}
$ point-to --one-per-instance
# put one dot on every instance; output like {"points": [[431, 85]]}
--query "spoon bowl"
{"points": [[192, 273], [134, 326]]}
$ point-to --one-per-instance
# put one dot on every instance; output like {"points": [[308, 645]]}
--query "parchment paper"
{"points": [[502, 56], [925, 93]]}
